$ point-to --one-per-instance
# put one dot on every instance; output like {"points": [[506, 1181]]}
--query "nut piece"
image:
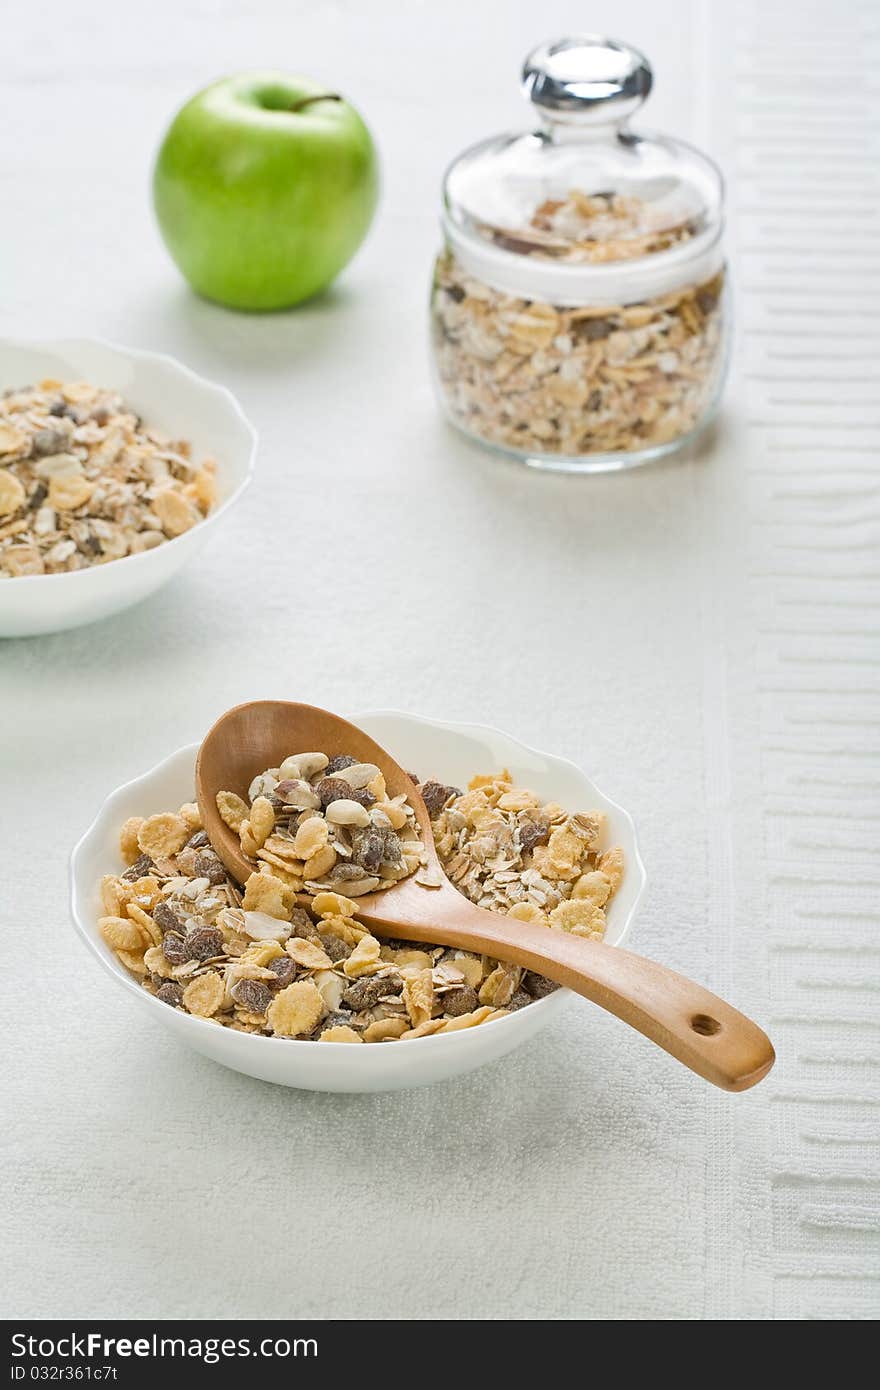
{"points": [[297, 793], [347, 812], [358, 775], [262, 926], [330, 987], [295, 1010], [311, 836], [303, 765]]}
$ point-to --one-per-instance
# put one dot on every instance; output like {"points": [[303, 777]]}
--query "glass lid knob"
{"points": [[586, 80]]}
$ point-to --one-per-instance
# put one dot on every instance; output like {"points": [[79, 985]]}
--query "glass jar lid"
{"points": [[583, 205]]}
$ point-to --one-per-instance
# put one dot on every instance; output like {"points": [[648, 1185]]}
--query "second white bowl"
{"points": [[174, 399], [453, 752]]}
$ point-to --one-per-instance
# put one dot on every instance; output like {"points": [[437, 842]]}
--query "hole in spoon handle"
{"points": [[706, 1025]]}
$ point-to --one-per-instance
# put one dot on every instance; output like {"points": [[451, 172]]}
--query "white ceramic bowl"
{"points": [[167, 395], [454, 752]]}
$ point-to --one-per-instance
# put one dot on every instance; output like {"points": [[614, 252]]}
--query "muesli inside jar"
{"points": [[579, 306]]}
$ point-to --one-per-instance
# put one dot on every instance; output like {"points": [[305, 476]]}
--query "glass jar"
{"points": [[579, 310]]}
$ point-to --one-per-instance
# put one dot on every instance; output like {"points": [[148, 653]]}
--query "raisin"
{"points": [[393, 852], [252, 995], [285, 969], [186, 861], [368, 849], [592, 330], [435, 796], [37, 496], [537, 985], [166, 918], [335, 947], [519, 1001], [46, 442], [363, 994], [460, 1001], [335, 1019], [338, 763], [174, 948], [198, 841], [331, 789], [337, 789], [345, 872], [61, 410], [302, 925], [141, 866], [204, 942], [532, 833], [456, 293], [594, 400], [707, 298], [209, 866], [170, 993]]}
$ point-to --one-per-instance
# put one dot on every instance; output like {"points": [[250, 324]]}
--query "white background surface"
{"points": [[701, 636]]}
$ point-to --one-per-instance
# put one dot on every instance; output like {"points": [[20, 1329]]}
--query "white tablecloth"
{"points": [[700, 635]]}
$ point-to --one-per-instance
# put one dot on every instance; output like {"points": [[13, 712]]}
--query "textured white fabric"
{"points": [[702, 636]]}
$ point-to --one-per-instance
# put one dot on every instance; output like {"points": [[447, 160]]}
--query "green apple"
{"points": [[264, 188]]}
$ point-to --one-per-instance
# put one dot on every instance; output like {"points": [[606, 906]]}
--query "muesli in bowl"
{"points": [[108, 479], [251, 958], [84, 480], [252, 1047]]}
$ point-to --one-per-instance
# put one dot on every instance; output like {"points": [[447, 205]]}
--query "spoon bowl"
{"points": [[693, 1025]]}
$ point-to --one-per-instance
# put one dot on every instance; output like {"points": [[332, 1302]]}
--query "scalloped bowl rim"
{"points": [[80, 911], [69, 345]]}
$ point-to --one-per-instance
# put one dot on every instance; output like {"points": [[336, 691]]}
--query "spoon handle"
{"points": [[696, 1027]]}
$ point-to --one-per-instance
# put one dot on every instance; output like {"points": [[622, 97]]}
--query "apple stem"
{"points": [[321, 96]]}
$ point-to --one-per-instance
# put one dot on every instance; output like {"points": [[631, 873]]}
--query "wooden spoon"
{"points": [[694, 1026]]}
